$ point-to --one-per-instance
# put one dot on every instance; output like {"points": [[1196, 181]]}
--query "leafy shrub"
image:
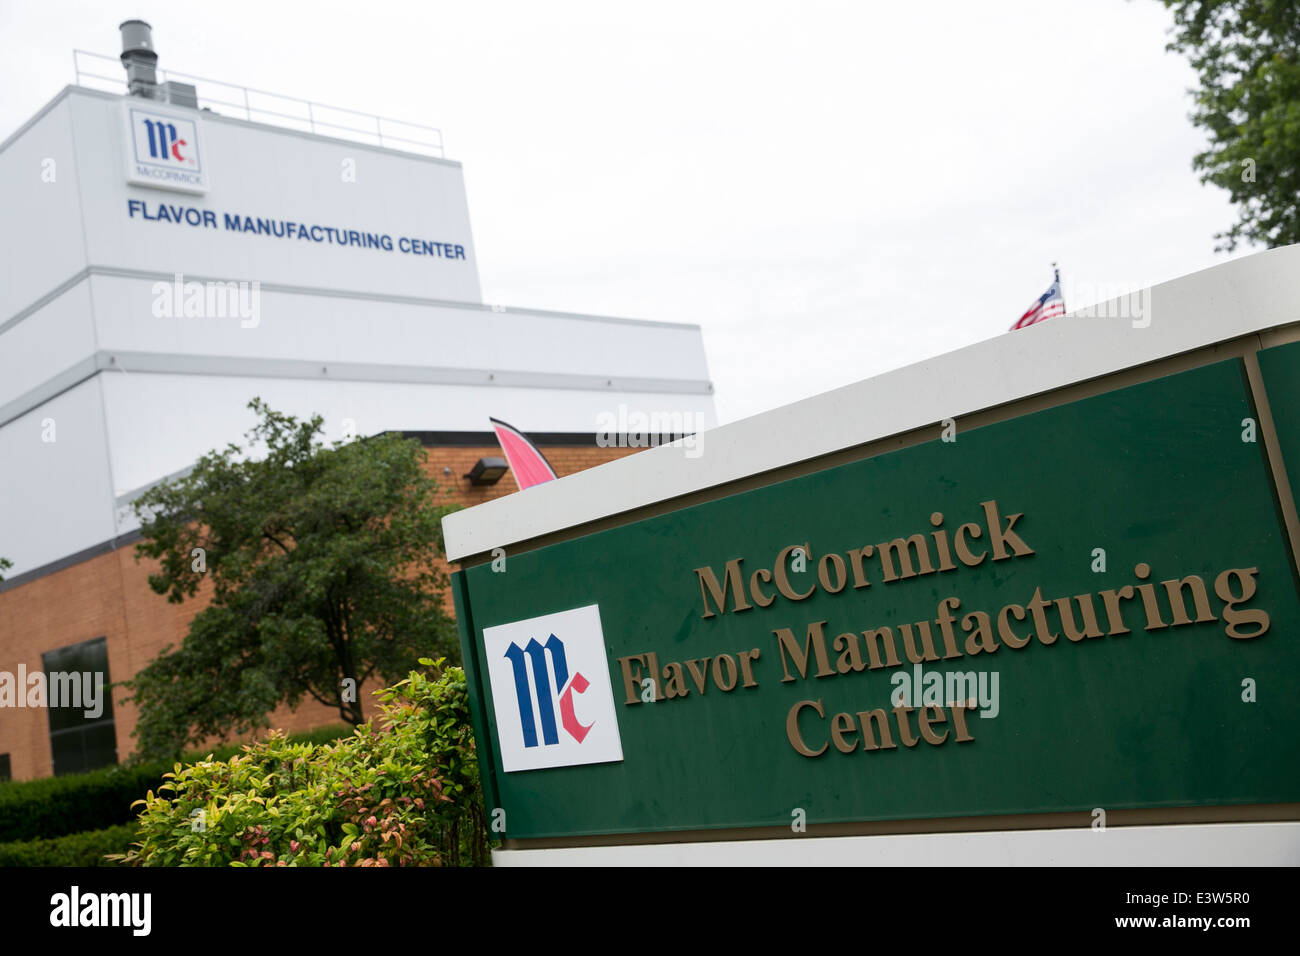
{"points": [[404, 793], [438, 711], [56, 806], [321, 735], [77, 849]]}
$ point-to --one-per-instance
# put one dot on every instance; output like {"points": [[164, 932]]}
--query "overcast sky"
{"points": [[831, 190]]}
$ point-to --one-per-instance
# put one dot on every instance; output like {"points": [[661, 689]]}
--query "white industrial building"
{"points": [[162, 263]]}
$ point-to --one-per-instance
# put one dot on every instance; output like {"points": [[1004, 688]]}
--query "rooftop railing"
{"points": [[96, 71]]}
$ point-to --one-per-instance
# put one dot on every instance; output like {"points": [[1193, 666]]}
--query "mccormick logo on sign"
{"points": [[162, 149], [551, 691]]}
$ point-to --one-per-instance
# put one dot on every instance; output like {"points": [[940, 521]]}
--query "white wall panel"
{"points": [[331, 328], [55, 497], [41, 242], [159, 424], [275, 173], [45, 343]]}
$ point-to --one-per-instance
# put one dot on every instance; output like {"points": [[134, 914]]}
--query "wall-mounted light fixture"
{"points": [[487, 471]]}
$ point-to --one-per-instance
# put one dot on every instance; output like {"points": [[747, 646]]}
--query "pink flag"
{"points": [[529, 465]]}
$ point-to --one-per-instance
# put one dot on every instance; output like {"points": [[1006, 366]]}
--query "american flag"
{"points": [[1048, 305]]}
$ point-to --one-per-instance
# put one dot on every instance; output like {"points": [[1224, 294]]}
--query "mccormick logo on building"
{"points": [[162, 150], [551, 691]]}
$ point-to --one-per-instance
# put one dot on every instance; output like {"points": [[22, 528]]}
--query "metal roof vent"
{"points": [[182, 94], [139, 59]]}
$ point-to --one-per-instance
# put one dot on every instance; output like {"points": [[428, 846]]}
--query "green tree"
{"points": [[322, 568], [1247, 57], [5, 565]]}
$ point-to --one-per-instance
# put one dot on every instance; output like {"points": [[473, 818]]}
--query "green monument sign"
{"points": [[1089, 606]]}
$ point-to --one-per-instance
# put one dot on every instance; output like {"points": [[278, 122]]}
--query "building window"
{"points": [[5, 772], [82, 733]]}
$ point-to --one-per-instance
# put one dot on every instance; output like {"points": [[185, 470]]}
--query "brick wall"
{"points": [[108, 596]]}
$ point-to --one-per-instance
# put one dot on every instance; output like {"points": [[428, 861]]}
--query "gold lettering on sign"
{"points": [[871, 731], [791, 653], [731, 581], [792, 728], [780, 571], [954, 631]]}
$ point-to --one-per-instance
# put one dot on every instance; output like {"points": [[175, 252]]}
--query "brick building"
{"points": [[103, 600]]}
